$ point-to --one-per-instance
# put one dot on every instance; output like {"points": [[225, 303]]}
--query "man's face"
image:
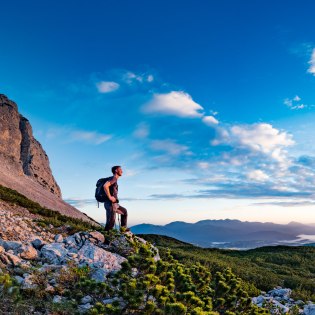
{"points": [[119, 171]]}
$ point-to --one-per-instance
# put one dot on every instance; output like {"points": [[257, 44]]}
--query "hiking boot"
{"points": [[124, 229]]}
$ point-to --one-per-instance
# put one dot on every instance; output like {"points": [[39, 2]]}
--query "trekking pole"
{"points": [[115, 223]]}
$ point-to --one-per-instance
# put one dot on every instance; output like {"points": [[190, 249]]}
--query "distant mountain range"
{"points": [[233, 233]]}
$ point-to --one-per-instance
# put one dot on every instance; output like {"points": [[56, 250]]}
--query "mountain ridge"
{"points": [[208, 233]]}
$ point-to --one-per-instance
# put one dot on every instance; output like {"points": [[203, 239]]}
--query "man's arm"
{"points": [[106, 188]]}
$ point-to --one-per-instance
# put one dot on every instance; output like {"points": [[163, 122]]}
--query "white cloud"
{"points": [[261, 137], [210, 120], [107, 86], [311, 69], [293, 103], [150, 78], [142, 131], [170, 147], [131, 77], [69, 134], [296, 98], [91, 137], [175, 103], [257, 175]]}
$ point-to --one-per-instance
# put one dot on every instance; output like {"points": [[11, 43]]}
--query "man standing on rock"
{"points": [[111, 204]]}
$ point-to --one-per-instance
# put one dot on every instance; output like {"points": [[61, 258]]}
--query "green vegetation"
{"points": [[142, 286], [47, 216], [145, 286], [263, 268]]}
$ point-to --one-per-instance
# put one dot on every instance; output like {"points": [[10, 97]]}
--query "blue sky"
{"points": [[208, 105]]}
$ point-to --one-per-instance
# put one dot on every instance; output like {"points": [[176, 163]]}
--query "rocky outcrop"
{"points": [[19, 148], [279, 301], [24, 165], [43, 263]]}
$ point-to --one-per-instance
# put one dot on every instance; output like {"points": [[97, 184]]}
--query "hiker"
{"points": [[111, 204]]}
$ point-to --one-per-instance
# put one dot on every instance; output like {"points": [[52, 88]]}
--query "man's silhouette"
{"points": [[111, 205]]}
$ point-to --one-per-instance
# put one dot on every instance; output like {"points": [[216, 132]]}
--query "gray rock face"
{"points": [[18, 146], [24, 165]]}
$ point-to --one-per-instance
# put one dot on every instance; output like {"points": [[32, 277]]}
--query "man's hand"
{"points": [[112, 199]]}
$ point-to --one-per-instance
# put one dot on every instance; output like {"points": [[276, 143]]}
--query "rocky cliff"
{"points": [[19, 148], [24, 165]]}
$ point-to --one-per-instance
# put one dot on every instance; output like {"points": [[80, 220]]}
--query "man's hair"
{"points": [[114, 168]]}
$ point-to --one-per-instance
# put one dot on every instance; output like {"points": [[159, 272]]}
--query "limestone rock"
{"points": [[58, 238], [14, 260], [99, 275], [111, 262], [24, 165], [15, 246], [29, 253], [37, 243], [18, 146], [86, 299], [97, 236], [54, 253]]}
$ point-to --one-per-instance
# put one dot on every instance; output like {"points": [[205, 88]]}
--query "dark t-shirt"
{"points": [[114, 187]]}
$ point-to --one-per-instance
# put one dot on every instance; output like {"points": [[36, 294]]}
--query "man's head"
{"points": [[117, 170]]}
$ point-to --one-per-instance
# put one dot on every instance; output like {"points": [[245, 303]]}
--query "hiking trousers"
{"points": [[111, 210]]}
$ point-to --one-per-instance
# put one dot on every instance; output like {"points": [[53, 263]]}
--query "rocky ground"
{"points": [[279, 301], [43, 260], [29, 252]]}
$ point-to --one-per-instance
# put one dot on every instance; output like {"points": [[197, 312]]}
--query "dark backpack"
{"points": [[100, 194]]}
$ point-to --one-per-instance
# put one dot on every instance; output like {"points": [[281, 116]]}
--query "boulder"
{"points": [[93, 254], [54, 253], [14, 260], [97, 236], [29, 253], [279, 292], [58, 238], [37, 243], [12, 245]]}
